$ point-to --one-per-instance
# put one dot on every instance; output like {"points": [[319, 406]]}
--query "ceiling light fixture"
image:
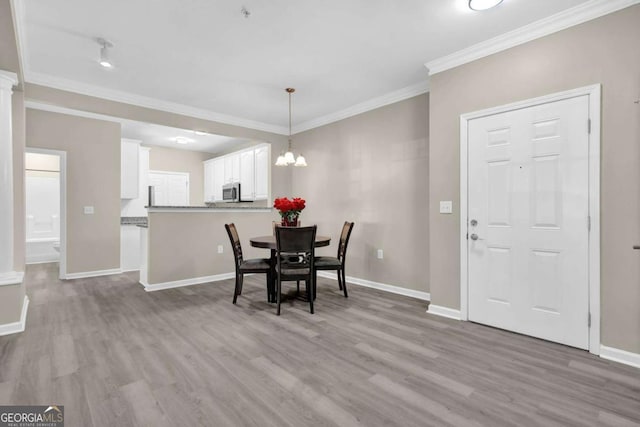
{"points": [[483, 4], [105, 61], [182, 140], [200, 132], [288, 158]]}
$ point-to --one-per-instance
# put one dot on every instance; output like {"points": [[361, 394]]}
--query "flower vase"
{"points": [[289, 222]]}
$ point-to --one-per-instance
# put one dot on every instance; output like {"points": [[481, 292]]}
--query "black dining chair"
{"points": [[336, 263], [294, 256], [245, 266]]}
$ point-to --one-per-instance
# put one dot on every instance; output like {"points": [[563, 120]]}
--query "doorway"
{"points": [[45, 207], [529, 217]]}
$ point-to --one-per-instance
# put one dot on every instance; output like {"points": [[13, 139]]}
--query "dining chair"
{"points": [[295, 256], [245, 266], [336, 263]]}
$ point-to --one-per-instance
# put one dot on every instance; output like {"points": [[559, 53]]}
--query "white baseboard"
{"points": [[620, 356], [441, 311], [15, 327], [43, 259], [425, 296], [85, 274], [186, 282]]}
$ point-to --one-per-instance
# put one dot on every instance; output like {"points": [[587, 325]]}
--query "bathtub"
{"points": [[41, 250]]}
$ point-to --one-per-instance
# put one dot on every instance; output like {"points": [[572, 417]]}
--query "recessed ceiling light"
{"points": [[105, 61], [182, 140], [483, 4], [200, 132]]}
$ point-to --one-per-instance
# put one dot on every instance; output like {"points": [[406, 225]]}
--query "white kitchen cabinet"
{"points": [[247, 175], [129, 169], [218, 178], [208, 181], [250, 167], [232, 168], [262, 160]]}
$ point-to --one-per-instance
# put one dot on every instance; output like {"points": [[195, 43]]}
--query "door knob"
{"points": [[474, 222], [474, 236]]}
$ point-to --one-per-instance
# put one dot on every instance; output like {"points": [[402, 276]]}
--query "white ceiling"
{"points": [[165, 136], [204, 54]]}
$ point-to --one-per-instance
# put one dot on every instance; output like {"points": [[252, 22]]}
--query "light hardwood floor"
{"points": [[115, 355]]}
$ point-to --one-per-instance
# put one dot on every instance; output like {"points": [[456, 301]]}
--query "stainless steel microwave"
{"points": [[231, 192]]}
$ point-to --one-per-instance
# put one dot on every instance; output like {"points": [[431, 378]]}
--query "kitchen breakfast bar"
{"points": [[183, 246]]}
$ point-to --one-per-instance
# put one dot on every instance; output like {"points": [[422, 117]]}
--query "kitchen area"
{"points": [[178, 189]]}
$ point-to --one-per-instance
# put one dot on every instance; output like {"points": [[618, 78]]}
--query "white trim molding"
{"points": [[441, 311], [594, 94], [363, 107], [186, 282], [574, 16], [620, 356], [62, 268], [147, 102], [15, 327], [425, 296], [86, 274]]}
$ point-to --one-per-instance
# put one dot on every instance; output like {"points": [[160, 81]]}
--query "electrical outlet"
{"points": [[220, 249], [88, 210], [380, 254]]}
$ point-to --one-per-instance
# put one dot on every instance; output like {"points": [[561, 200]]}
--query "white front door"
{"points": [[528, 214]]}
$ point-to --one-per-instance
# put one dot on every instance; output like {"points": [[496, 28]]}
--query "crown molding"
{"points": [[380, 101], [147, 102], [576, 15], [17, 11]]}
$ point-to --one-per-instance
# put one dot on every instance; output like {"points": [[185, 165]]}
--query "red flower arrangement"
{"points": [[289, 209]]}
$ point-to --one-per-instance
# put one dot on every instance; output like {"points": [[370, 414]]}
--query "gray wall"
{"points": [[93, 179], [601, 51], [372, 169], [89, 140], [280, 178]]}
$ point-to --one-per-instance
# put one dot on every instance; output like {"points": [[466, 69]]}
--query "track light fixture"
{"points": [[105, 45]]}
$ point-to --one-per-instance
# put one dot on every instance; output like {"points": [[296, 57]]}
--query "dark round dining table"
{"points": [[269, 242]]}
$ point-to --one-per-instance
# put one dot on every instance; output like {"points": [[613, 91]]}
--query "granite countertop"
{"points": [[133, 220], [213, 208]]}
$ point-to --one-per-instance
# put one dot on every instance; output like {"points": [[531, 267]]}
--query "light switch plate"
{"points": [[446, 206], [88, 210], [220, 249], [380, 254]]}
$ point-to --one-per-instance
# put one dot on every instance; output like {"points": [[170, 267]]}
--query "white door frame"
{"points": [[62, 267], [594, 198]]}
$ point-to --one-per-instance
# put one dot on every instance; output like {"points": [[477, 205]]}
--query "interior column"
{"points": [[7, 276]]}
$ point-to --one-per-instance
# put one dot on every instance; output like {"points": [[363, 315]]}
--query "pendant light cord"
{"points": [[289, 120], [290, 90]]}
